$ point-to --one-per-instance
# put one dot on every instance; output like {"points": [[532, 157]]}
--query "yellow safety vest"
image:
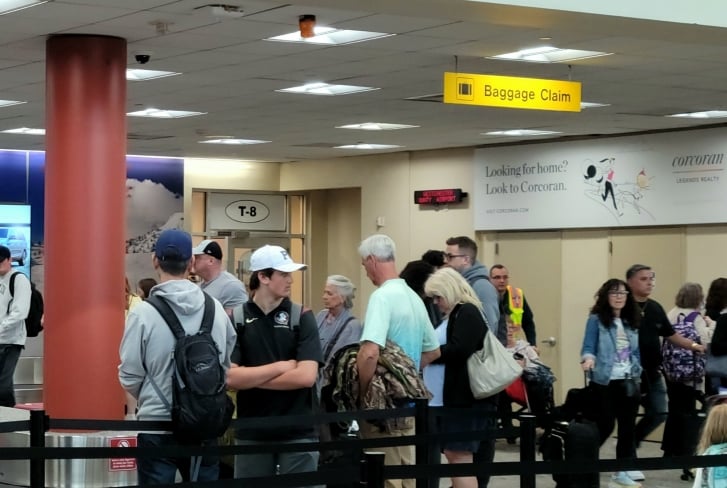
{"points": [[515, 303]]}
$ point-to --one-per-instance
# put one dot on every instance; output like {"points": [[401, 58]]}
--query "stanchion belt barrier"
{"points": [[14, 426], [342, 475]]}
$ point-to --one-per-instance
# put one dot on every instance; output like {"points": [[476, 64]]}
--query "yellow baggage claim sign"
{"points": [[511, 92]]}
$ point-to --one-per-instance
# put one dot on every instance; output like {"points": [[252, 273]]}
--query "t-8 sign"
{"points": [[235, 211]]}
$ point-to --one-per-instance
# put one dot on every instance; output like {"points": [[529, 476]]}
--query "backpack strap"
{"points": [[12, 283], [208, 317], [168, 315], [11, 287], [238, 316], [691, 317], [172, 320], [296, 310]]}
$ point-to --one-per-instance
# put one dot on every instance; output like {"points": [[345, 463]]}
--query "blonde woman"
{"points": [[713, 441], [132, 300], [460, 334]]}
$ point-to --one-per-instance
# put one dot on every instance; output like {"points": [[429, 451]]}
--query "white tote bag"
{"points": [[492, 368]]}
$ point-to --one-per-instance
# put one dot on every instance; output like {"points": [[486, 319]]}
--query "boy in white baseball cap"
{"points": [[273, 257], [277, 356]]}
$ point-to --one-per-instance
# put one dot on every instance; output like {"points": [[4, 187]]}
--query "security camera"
{"points": [[142, 57]]}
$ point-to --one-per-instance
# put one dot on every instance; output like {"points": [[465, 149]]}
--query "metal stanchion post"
{"points": [[527, 448], [372, 470], [421, 431], [38, 426]]}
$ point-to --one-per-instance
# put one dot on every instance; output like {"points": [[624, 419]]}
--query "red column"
{"points": [[84, 225]]}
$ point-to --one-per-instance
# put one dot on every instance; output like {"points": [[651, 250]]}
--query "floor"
{"points": [[656, 479]]}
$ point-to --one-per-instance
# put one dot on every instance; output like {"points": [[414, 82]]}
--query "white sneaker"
{"points": [[636, 475], [622, 480]]}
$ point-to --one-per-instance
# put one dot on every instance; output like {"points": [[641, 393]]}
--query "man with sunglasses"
{"points": [[461, 254]]}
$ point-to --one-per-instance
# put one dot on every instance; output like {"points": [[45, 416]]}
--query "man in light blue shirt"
{"points": [[394, 313]]}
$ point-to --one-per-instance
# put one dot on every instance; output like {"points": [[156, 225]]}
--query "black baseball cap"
{"points": [[209, 247]]}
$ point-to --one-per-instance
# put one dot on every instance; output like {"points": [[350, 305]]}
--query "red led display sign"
{"points": [[439, 197]]}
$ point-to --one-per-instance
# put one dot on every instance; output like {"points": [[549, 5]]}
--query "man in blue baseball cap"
{"points": [[147, 350]]}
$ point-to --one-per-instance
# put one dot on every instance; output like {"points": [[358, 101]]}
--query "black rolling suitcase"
{"points": [[572, 441], [571, 437]]}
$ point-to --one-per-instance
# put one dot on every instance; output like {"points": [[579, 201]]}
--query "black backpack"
{"points": [[33, 322], [201, 409]]}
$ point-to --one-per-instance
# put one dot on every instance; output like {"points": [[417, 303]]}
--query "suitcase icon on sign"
{"points": [[465, 88]]}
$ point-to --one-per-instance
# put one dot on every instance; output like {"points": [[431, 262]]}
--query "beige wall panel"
{"points": [[317, 246], [335, 234], [384, 183], [705, 254], [431, 226], [224, 174], [662, 248], [533, 260], [584, 267]]}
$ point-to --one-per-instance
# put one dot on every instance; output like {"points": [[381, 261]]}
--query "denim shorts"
{"points": [[465, 423]]}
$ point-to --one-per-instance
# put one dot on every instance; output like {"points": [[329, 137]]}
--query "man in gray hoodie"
{"points": [[147, 354], [461, 254]]}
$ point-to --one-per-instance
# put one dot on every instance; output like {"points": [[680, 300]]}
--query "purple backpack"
{"points": [[681, 364]]}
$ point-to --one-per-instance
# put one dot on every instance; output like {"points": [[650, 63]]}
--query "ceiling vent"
{"points": [[223, 11]]}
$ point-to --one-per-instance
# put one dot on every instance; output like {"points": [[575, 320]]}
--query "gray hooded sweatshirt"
{"points": [[148, 344], [479, 279]]}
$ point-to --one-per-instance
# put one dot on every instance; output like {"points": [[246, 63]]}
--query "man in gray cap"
{"points": [[13, 311], [217, 282]]}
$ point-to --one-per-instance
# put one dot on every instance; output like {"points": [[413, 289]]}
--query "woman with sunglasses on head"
{"points": [[610, 354], [461, 334]]}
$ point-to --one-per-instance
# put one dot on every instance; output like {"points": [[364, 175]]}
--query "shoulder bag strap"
{"points": [[334, 339]]}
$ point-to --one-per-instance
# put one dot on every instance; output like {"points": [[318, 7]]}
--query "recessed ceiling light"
{"points": [[331, 36], [232, 141], [376, 126], [326, 89], [519, 132], [164, 114], [10, 6], [362, 145], [548, 54], [9, 103], [135, 74], [709, 114], [25, 130], [594, 105]]}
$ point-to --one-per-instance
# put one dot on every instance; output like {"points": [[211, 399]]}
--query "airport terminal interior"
{"points": [[570, 140]]}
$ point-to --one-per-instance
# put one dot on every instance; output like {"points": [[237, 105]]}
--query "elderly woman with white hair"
{"points": [[337, 327]]}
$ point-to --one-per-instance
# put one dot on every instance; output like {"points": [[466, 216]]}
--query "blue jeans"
{"points": [[9, 354], [272, 463], [162, 471], [655, 405]]}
